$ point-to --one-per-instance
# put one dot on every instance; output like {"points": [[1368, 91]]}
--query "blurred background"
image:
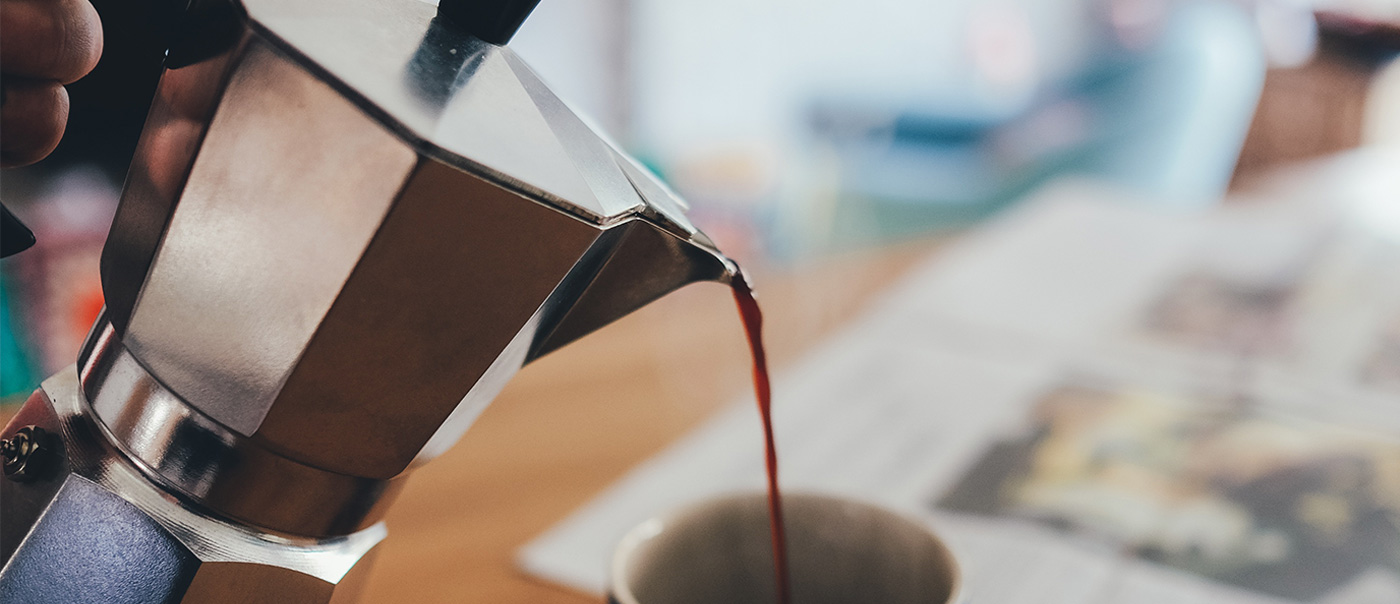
{"points": [[799, 129], [829, 146]]}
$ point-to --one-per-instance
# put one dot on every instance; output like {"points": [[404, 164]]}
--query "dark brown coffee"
{"points": [[753, 328]]}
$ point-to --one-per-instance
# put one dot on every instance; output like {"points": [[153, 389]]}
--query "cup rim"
{"points": [[620, 591]]}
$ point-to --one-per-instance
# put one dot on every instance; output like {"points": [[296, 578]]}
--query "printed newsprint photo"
{"points": [[1279, 505]]}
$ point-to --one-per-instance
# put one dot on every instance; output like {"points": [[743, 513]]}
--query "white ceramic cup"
{"points": [[840, 551]]}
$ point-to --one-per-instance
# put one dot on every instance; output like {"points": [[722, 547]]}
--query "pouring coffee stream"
{"points": [[752, 317]]}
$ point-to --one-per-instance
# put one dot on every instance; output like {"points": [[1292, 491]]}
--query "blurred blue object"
{"points": [[1165, 121], [1169, 123]]}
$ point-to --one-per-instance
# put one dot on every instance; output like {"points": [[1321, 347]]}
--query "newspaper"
{"points": [[1095, 402]]}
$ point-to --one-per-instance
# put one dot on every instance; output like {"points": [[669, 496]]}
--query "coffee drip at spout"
{"points": [[347, 225]]}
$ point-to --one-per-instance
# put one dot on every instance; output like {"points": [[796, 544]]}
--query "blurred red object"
{"points": [[58, 281]]}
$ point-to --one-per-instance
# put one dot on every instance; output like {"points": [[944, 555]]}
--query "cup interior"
{"points": [[840, 551]]}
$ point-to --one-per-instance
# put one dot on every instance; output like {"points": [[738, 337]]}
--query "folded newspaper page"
{"points": [[1096, 402]]}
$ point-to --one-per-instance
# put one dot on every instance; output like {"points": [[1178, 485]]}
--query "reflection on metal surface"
{"points": [[128, 509], [348, 224], [171, 138], [638, 264], [267, 229], [186, 451], [513, 356], [493, 119], [396, 59], [318, 283], [589, 153], [454, 274]]}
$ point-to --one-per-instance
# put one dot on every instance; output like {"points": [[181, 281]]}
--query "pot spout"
{"points": [[631, 265]]}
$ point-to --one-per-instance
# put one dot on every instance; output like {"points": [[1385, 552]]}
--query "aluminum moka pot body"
{"points": [[347, 224]]}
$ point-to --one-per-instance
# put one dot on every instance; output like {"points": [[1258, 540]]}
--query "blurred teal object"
{"points": [[1169, 122], [17, 374], [1164, 122]]}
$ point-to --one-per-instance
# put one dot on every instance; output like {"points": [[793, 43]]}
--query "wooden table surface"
{"points": [[570, 424]]}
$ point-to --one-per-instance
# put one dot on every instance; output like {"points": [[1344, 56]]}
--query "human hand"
{"points": [[44, 44]]}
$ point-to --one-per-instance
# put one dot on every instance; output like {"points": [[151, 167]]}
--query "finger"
{"points": [[32, 115], [49, 39]]}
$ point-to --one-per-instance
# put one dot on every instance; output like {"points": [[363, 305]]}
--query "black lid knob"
{"points": [[494, 21]]}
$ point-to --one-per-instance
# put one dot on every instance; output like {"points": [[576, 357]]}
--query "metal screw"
{"points": [[25, 453]]}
